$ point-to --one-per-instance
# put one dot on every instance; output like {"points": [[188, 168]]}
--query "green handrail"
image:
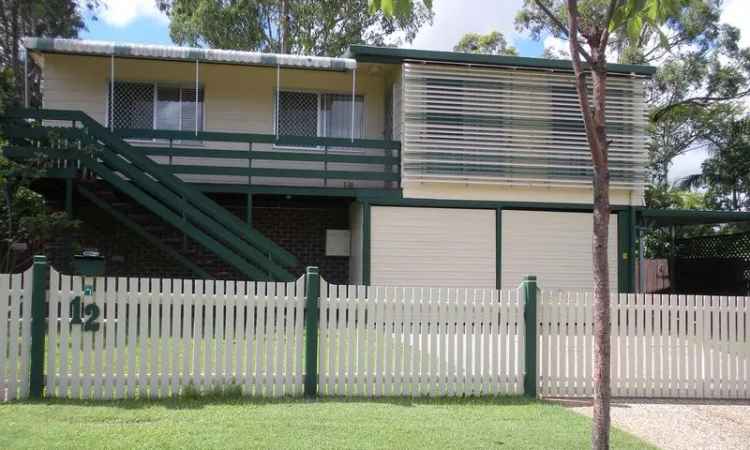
{"points": [[192, 195]]}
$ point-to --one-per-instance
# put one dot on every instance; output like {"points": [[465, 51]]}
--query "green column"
{"points": [[312, 293], [366, 220], [40, 272], [249, 210], [530, 376]]}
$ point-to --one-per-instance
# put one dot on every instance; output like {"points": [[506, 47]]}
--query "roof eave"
{"points": [[366, 53]]}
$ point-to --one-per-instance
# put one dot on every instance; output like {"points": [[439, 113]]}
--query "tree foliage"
{"points": [[702, 80], [725, 175], [44, 18], [314, 27], [492, 43]]}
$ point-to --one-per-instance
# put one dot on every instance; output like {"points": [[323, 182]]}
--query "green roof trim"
{"points": [[668, 217], [392, 55]]}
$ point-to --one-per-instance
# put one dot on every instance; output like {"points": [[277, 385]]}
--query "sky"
{"points": [[139, 21]]}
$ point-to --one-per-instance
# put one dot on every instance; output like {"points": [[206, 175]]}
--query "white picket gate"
{"points": [[384, 341], [672, 346], [15, 334], [158, 336]]}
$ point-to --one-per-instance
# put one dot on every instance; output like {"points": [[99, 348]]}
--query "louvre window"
{"points": [[156, 106], [324, 115]]}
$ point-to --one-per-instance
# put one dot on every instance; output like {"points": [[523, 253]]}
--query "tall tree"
{"points": [[51, 18], [588, 27], [313, 27], [702, 76], [725, 175], [492, 43]]}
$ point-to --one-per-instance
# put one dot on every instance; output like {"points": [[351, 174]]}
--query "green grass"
{"points": [[293, 423]]}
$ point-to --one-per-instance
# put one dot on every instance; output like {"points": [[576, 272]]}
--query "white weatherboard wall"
{"points": [[440, 247], [554, 246]]}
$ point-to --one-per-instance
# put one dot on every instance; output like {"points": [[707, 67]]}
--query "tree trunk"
{"points": [[601, 375], [284, 27]]}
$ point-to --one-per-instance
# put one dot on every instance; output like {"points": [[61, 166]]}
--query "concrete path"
{"points": [[679, 424]]}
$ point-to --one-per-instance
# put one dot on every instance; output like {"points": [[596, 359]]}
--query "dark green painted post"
{"points": [[498, 248], [69, 197], [366, 222], [529, 294], [38, 297], [312, 293], [249, 210]]}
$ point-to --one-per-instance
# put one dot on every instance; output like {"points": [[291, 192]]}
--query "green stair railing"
{"points": [[151, 185]]}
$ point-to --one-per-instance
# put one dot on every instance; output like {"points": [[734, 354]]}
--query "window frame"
{"points": [[155, 85], [320, 118]]}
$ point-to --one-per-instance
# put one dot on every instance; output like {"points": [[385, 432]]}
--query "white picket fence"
{"points": [[15, 334], [672, 346], [384, 341], [159, 336]]}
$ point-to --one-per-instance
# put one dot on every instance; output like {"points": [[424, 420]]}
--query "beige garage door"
{"points": [[554, 246], [432, 247]]}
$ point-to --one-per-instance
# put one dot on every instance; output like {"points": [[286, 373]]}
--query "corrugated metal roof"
{"points": [[127, 50]]}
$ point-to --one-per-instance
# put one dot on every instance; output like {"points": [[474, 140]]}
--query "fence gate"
{"points": [[383, 341], [662, 346]]}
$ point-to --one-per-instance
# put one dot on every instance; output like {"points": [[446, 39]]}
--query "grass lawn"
{"points": [[294, 423]]}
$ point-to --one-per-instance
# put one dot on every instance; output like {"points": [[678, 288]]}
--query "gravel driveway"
{"points": [[679, 424]]}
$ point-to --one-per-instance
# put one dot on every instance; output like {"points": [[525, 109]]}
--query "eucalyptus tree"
{"points": [[313, 27]]}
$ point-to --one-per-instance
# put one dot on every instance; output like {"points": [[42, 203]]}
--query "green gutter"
{"points": [[389, 55]]}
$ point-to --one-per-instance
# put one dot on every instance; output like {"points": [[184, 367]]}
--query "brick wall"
{"points": [[297, 224], [300, 227]]}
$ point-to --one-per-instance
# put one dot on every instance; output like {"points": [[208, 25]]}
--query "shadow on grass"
{"points": [[206, 400]]}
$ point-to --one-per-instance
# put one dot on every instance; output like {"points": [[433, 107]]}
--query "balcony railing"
{"points": [[265, 159], [216, 158]]}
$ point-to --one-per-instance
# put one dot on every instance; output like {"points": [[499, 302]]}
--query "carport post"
{"points": [[312, 293], [529, 287]]}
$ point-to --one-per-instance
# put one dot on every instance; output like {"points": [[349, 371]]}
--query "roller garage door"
{"points": [[432, 247], [554, 246]]}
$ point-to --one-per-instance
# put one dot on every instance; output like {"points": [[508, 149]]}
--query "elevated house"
{"points": [[386, 166]]}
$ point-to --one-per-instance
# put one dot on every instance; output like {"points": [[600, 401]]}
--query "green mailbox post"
{"points": [[88, 264]]}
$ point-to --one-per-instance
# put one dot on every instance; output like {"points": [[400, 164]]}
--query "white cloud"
{"points": [[454, 18], [557, 45], [121, 13], [735, 14]]}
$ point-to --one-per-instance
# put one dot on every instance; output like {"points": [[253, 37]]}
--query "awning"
{"points": [[669, 217], [191, 54]]}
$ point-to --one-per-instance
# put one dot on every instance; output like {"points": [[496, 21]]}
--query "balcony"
{"points": [[220, 161]]}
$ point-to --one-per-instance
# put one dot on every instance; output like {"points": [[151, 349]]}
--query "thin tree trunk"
{"points": [[594, 119], [601, 376]]}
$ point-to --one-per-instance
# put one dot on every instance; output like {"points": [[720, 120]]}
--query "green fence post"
{"points": [[312, 293], [529, 312], [40, 273]]}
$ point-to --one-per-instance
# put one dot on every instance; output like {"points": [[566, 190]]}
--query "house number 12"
{"points": [[91, 311]]}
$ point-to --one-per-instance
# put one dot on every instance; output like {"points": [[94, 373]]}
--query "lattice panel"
{"points": [[133, 105], [729, 246]]}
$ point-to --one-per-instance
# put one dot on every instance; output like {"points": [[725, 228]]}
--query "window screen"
{"points": [[171, 108], [298, 114], [133, 105]]}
